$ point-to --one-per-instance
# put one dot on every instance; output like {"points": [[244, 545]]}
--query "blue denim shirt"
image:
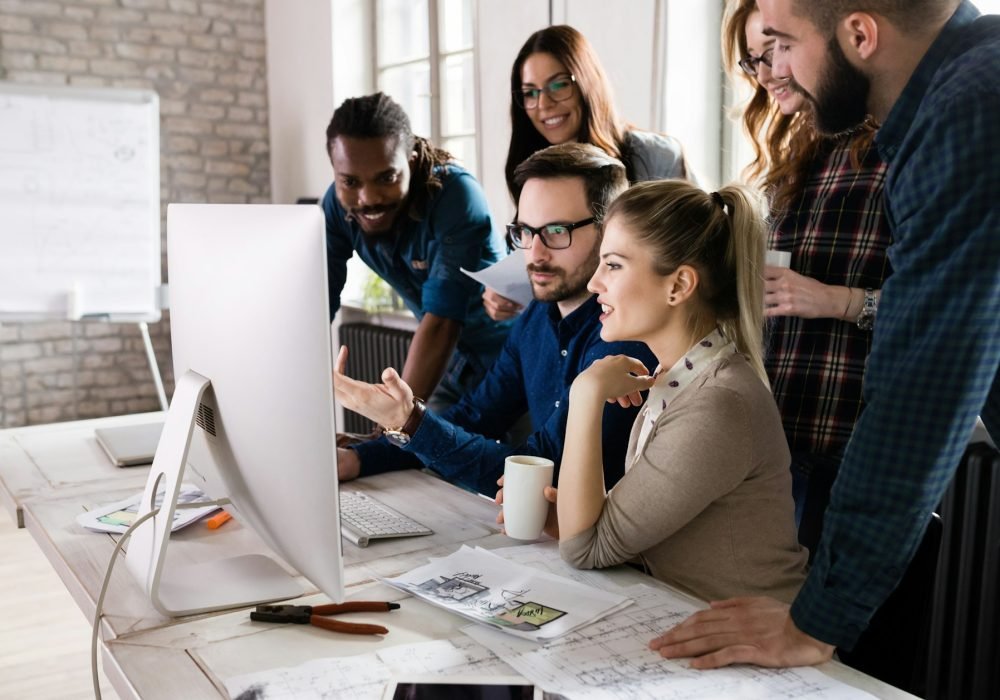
{"points": [[542, 356], [422, 263], [936, 345]]}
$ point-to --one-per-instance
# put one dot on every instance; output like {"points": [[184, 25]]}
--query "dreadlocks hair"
{"points": [[378, 116]]}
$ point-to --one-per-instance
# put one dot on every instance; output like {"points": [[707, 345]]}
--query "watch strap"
{"points": [[416, 415], [412, 421]]}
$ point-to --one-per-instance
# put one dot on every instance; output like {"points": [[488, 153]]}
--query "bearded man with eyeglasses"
{"points": [[561, 193]]}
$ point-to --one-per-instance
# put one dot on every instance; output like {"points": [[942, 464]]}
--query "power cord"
{"points": [[99, 610]]}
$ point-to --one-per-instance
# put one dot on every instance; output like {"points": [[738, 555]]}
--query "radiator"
{"points": [[371, 349], [964, 654]]}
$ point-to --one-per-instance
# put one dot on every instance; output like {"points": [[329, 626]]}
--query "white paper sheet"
{"points": [[610, 659], [364, 677], [544, 556], [520, 600], [118, 516], [507, 278]]}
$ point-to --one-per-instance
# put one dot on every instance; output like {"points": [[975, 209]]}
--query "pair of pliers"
{"points": [[315, 615]]}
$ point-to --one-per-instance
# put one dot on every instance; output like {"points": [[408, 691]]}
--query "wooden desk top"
{"points": [[150, 656], [59, 458], [80, 557], [202, 654]]}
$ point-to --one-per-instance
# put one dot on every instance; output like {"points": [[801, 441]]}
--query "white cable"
{"points": [[107, 579], [100, 598]]}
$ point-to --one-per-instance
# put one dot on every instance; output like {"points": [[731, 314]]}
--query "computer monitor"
{"points": [[252, 415]]}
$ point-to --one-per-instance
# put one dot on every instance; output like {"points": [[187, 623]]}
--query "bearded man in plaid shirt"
{"points": [[927, 71]]}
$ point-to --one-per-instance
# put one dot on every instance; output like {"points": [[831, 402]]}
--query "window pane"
{"points": [[402, 30], [458, 105], [464, 150], [410, 86], [455, 20]]}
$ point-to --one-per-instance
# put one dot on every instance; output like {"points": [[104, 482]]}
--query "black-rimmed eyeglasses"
{"points": [[751, 63], [555, 236], [558, 89]]}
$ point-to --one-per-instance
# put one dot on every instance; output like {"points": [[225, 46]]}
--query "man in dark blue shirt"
{"points": [[562, 192], [927, 70], [414, 217]]}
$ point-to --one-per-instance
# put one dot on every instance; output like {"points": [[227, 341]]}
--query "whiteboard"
{"points": [[79, 203]]}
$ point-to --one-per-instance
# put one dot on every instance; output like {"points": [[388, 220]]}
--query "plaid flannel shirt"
{"points": [[838, 234], [936, 345]]}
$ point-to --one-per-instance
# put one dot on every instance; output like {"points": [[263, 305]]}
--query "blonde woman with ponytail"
{"points": [[706, 500]]}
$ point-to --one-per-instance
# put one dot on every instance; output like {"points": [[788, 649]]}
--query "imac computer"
{"points": [[252, 415]]}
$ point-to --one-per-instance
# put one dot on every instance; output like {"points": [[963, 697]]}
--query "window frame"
{"points": [[434, 59]]}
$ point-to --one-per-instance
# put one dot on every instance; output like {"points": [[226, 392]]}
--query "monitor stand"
{"points": [[193, 588]]}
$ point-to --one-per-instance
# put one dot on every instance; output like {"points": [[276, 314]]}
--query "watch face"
{"points": [[397, 437]]}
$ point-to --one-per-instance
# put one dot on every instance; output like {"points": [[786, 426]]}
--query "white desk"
{"points": [[45, 460], [149, 656]]}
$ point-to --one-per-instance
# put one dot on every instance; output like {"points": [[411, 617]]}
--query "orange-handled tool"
{"points": [[317, 615]]}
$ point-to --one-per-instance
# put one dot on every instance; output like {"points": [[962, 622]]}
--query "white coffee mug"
{"points": [[524, 506], [778, 258]]}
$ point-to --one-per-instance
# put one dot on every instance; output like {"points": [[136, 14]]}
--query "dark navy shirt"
{"points": [[542, 356], [422, 262], [936, 344]]}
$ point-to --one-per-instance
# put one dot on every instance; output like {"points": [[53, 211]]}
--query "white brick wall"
{"points": [[206, 62]]}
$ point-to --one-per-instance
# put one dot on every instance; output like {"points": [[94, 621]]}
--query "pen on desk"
{"points": [[218, 520]]}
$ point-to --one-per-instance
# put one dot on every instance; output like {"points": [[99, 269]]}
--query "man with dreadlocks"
{"points": [[415, 217]]}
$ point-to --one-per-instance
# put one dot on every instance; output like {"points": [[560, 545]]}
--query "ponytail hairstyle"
{"points": [[377, 117], [722, 235]]}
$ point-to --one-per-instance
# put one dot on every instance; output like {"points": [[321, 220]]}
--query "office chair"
{"points": [[896, 646]]}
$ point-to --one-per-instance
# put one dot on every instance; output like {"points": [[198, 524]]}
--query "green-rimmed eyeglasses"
{"points": [[553, 236], [750, 63], [559, 88]]}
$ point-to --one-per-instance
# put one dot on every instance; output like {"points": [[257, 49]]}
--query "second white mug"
{"points": [[778, 258]]}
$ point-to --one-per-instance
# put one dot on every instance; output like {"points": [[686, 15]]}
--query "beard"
{"points": [[568, 284], [841, 100]]}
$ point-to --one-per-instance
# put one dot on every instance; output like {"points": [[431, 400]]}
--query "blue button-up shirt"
{"points": [[542, 356], [422, 262], [936, 345]]}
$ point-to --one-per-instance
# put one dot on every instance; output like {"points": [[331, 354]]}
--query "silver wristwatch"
{"points": [[866, 319]]}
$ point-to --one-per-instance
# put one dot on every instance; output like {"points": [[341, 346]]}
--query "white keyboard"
{"points": [[362, 519]]}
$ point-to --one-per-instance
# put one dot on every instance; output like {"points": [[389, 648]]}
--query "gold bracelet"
{"points": [[850, 298]]}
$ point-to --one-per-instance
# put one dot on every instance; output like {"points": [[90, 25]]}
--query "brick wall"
{"points": [[206, 60]]}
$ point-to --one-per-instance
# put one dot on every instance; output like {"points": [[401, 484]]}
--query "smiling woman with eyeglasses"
{"points": [[560, 93]]}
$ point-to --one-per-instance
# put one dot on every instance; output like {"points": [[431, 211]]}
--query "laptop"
{"points": [[130, 445]]}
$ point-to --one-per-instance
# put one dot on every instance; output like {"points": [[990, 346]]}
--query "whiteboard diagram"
{"points": [[79, 203]]}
